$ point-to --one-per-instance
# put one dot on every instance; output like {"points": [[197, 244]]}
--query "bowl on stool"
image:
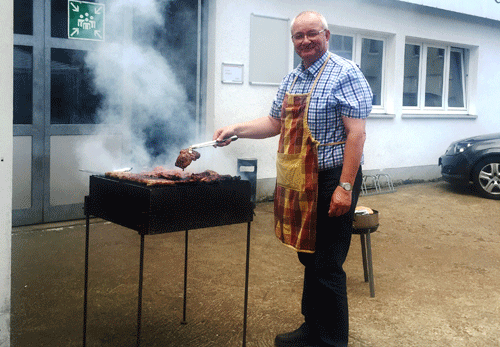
{"points": [[366, 221]]}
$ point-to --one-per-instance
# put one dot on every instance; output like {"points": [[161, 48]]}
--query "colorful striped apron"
{"points": [[296, 193]]}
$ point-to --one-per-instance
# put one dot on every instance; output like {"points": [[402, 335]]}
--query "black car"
{"points": [[477, 160]]}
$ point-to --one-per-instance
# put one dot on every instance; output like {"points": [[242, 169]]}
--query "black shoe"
{"points": [[297, 338]]}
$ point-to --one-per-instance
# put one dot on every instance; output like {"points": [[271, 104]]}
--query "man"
{"points": [[320, 112]]}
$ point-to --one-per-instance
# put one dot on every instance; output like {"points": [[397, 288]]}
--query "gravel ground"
{"points": [[436, 259]]}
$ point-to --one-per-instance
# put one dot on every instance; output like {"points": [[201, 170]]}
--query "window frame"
{"points": [[357, 42], [444, 109]]}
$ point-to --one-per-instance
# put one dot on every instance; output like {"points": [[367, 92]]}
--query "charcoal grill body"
{"points": [[160, 209]]}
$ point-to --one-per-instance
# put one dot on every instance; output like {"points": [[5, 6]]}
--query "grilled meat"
{"points": [[161, 176], [186, 157]]}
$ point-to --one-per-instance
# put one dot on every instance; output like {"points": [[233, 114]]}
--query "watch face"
{"points": [[346, 186]]}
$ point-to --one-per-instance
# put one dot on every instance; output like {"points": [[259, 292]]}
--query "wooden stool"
{"points": [[364, 225]]}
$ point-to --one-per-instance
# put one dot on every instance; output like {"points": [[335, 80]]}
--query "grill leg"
{"points": [[86, 280], [184, 304], [247, 271], [139, 308]]}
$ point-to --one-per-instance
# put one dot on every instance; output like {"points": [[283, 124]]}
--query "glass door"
{"points": [[62, 95]]}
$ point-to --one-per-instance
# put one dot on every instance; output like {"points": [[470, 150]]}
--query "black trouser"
{"points": [[324, 298]]}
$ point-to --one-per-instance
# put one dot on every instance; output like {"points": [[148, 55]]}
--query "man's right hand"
{"points": [[223, 133]]}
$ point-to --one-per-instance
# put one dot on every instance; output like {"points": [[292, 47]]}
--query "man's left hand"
{"points": [[340, 203]]}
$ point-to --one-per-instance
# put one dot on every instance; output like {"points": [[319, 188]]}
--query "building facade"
{"points": [[432, 69], [131, 86], [152, 80]]}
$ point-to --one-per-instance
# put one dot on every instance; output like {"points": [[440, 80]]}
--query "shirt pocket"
{"points": [[290, 172]]}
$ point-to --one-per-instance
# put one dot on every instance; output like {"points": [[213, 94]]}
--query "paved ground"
{"points": [[436, 263]]}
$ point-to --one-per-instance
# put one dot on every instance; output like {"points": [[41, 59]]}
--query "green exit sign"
{"points": [[85, 20]]}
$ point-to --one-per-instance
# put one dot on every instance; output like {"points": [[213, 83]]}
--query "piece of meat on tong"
{"points": [[186, 157]]}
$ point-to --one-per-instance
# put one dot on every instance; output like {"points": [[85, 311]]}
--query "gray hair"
{"points": [[317, 14]]}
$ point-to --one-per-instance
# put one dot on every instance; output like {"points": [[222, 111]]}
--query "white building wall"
{"points": [[6, 97], [482, 8], [393, 141]]}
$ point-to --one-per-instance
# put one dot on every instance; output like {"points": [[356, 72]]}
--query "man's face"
{"points": [[308, 48]]}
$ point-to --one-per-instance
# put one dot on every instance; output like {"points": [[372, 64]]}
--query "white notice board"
{"points": [[269, 43], [232, 73]]}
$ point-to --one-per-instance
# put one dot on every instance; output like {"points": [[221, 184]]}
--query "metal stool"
{"points": [[364, 225]]}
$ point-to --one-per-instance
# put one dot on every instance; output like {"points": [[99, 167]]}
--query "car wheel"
{"points": [[487, 178]]}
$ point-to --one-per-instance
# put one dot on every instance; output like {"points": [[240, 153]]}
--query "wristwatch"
{"points": [[346, 185]]}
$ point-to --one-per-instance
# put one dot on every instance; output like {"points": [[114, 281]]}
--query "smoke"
{"points": [[139, 75]]}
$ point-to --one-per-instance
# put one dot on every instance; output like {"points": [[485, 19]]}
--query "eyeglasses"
{"points": [[310, 34]]}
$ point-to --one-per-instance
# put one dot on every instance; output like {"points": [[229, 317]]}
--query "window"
{"points": [[59, 18], [434, 77], [456, 86], [73, 98], [23, 17], [372, 57], [341, 45], [367, 52], [23, 85]]}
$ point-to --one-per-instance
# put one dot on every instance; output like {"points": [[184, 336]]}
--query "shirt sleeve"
{"points": [[354, 94], [280, 96]]}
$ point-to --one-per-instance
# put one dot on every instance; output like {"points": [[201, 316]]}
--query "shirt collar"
{"points": [[316, 66]]}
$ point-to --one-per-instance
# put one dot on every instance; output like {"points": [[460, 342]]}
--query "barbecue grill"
{"points": [[156, 209]]}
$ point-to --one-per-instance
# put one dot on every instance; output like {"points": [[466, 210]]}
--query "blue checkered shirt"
{"points": [[342, 90]]}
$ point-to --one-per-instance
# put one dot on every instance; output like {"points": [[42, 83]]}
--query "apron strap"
{"points": [[332, 143]]}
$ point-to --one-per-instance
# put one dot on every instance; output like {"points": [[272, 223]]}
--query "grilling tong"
{"points": [[211, 143]]}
